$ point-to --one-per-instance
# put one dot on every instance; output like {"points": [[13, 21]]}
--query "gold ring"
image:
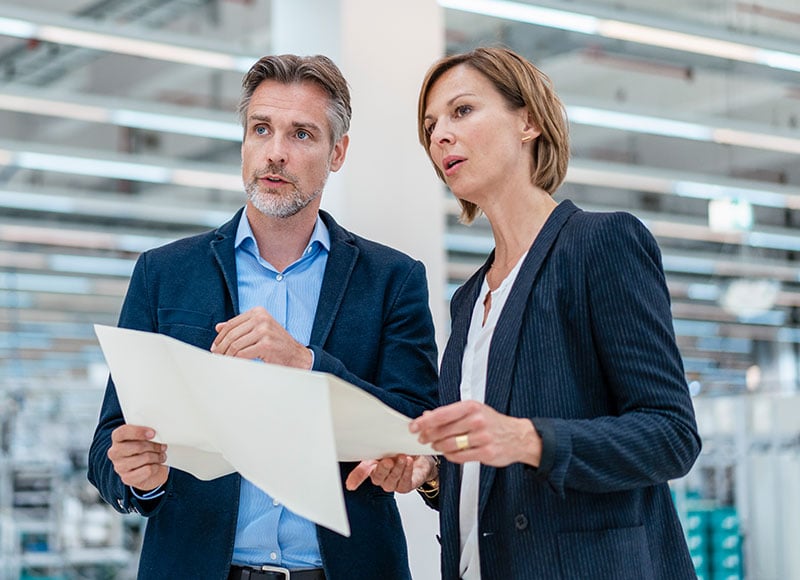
{"points": [[462, 442]]}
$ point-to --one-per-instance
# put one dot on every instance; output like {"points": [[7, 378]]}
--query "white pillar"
{"points": [[387, 190]]}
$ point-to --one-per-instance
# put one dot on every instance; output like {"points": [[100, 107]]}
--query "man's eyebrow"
{"points": [[307, 125], [259, 118], [296, 124]]}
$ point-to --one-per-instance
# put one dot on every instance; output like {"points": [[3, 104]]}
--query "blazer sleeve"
{"points": [[651, 435], [406, 367], [136, 314]]}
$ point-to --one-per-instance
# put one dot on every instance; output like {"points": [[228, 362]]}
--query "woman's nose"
{"points": [[442, 133]]}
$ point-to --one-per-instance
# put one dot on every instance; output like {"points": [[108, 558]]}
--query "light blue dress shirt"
{"points": [[267, 532]]}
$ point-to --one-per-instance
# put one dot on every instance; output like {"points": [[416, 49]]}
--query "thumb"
{"points": [[359, 474]]}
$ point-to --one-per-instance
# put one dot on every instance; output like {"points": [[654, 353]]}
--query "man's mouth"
{"points": [[277, 180]]}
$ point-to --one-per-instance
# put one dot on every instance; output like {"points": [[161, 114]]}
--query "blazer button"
{"points": [[521, 522]]}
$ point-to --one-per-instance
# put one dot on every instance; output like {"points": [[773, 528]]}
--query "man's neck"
{"points": [[282, 241]]}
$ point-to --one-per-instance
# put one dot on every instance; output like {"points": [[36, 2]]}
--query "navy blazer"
{"points": [[372, 327], [585, 348]]}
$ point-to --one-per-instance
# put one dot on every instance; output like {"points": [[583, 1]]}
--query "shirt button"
{"points": [[521, 522], [276, 503], [279, 277], [273, 556]]}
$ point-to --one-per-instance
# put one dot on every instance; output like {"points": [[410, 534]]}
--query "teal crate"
{"points": [[697, 520], [725, 575], [697, 542], [725, 519], [725, 542], [730, 562], [700, 560], [703, 573]]}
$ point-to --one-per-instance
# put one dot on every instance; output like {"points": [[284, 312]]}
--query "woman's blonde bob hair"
{"points": [[522, 85]]}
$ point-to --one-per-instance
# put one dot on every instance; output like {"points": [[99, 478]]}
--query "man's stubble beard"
{"points": [[272, 203]]}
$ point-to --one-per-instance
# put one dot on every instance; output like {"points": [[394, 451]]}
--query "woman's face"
{"points": [[476, 140]]}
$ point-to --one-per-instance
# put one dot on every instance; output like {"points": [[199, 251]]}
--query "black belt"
{"points": [[274, 573]]}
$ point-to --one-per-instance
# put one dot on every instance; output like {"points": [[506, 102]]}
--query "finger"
{"points": [[259, 348], [382, 469], [430, 421], [234, 325], [222, 329], [406, 482], [132, 433], [147, 477], [234, 331], [359, 474], [133, 462], [122, 451], [465, 456], [443, 438], [462, 438], [395, 474]]}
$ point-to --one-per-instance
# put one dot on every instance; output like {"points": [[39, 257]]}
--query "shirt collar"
{"points": [[320, 234]]}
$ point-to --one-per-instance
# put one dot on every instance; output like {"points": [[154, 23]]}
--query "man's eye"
{"points": [[261, 130], [303, 134]]}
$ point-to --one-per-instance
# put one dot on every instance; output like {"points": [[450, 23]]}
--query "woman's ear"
{"points": [[529, 129]]}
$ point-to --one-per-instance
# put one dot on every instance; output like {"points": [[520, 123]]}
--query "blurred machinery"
{"points": [[52, 522]]}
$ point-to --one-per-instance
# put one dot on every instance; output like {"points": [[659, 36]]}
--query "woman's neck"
{"points": [[515, 226]]}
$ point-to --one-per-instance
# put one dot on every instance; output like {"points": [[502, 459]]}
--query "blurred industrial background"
{"points": [[118, 133]]}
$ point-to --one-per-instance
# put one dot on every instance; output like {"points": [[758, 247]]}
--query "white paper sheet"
{"points": [[282, 428]]}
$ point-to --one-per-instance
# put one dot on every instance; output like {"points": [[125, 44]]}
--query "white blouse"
{"points": [[473, 386]]}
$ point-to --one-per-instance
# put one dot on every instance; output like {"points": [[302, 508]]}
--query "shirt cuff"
{"points": [[152, 494], [311, 350]]}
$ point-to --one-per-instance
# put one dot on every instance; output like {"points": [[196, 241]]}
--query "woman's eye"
{"points": [[462, 110], [429, 129]]}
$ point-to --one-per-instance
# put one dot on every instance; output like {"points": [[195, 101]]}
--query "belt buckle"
{"points": [[277, 570]]}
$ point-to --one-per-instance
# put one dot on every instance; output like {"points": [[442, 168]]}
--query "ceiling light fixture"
{"points": [[119, 166], [36, 25], [682, 183], [724, 132], [127, 113], [606, 24]]}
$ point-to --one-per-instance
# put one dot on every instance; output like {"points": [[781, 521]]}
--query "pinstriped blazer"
{"points": [[585, 348]]}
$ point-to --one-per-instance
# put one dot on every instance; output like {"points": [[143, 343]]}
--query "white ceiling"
{"points": [[67, 240]]}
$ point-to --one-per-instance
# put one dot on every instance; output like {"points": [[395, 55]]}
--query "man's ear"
{"points": [[339, 153]]}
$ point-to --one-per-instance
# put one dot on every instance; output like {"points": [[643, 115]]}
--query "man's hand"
{"points": [[257, 335], [401, 473], [138, 461]]}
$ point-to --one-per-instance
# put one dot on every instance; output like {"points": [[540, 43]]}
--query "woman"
{"points": [[564, 404]]}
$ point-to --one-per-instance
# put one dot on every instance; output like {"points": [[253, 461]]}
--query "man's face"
{"points": [[287, 152]]}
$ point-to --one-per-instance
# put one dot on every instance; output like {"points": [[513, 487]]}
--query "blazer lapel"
{"points": [[341, 262], [450, 372], [503, 347], [224, 252]]}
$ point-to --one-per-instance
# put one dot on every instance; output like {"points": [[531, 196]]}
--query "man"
{"points": [[284, 283]]}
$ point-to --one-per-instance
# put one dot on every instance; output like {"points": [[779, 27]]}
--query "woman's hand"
{"points": [[471, 431]]}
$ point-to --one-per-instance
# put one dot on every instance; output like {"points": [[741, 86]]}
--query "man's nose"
{"points": [[277, 151]]}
